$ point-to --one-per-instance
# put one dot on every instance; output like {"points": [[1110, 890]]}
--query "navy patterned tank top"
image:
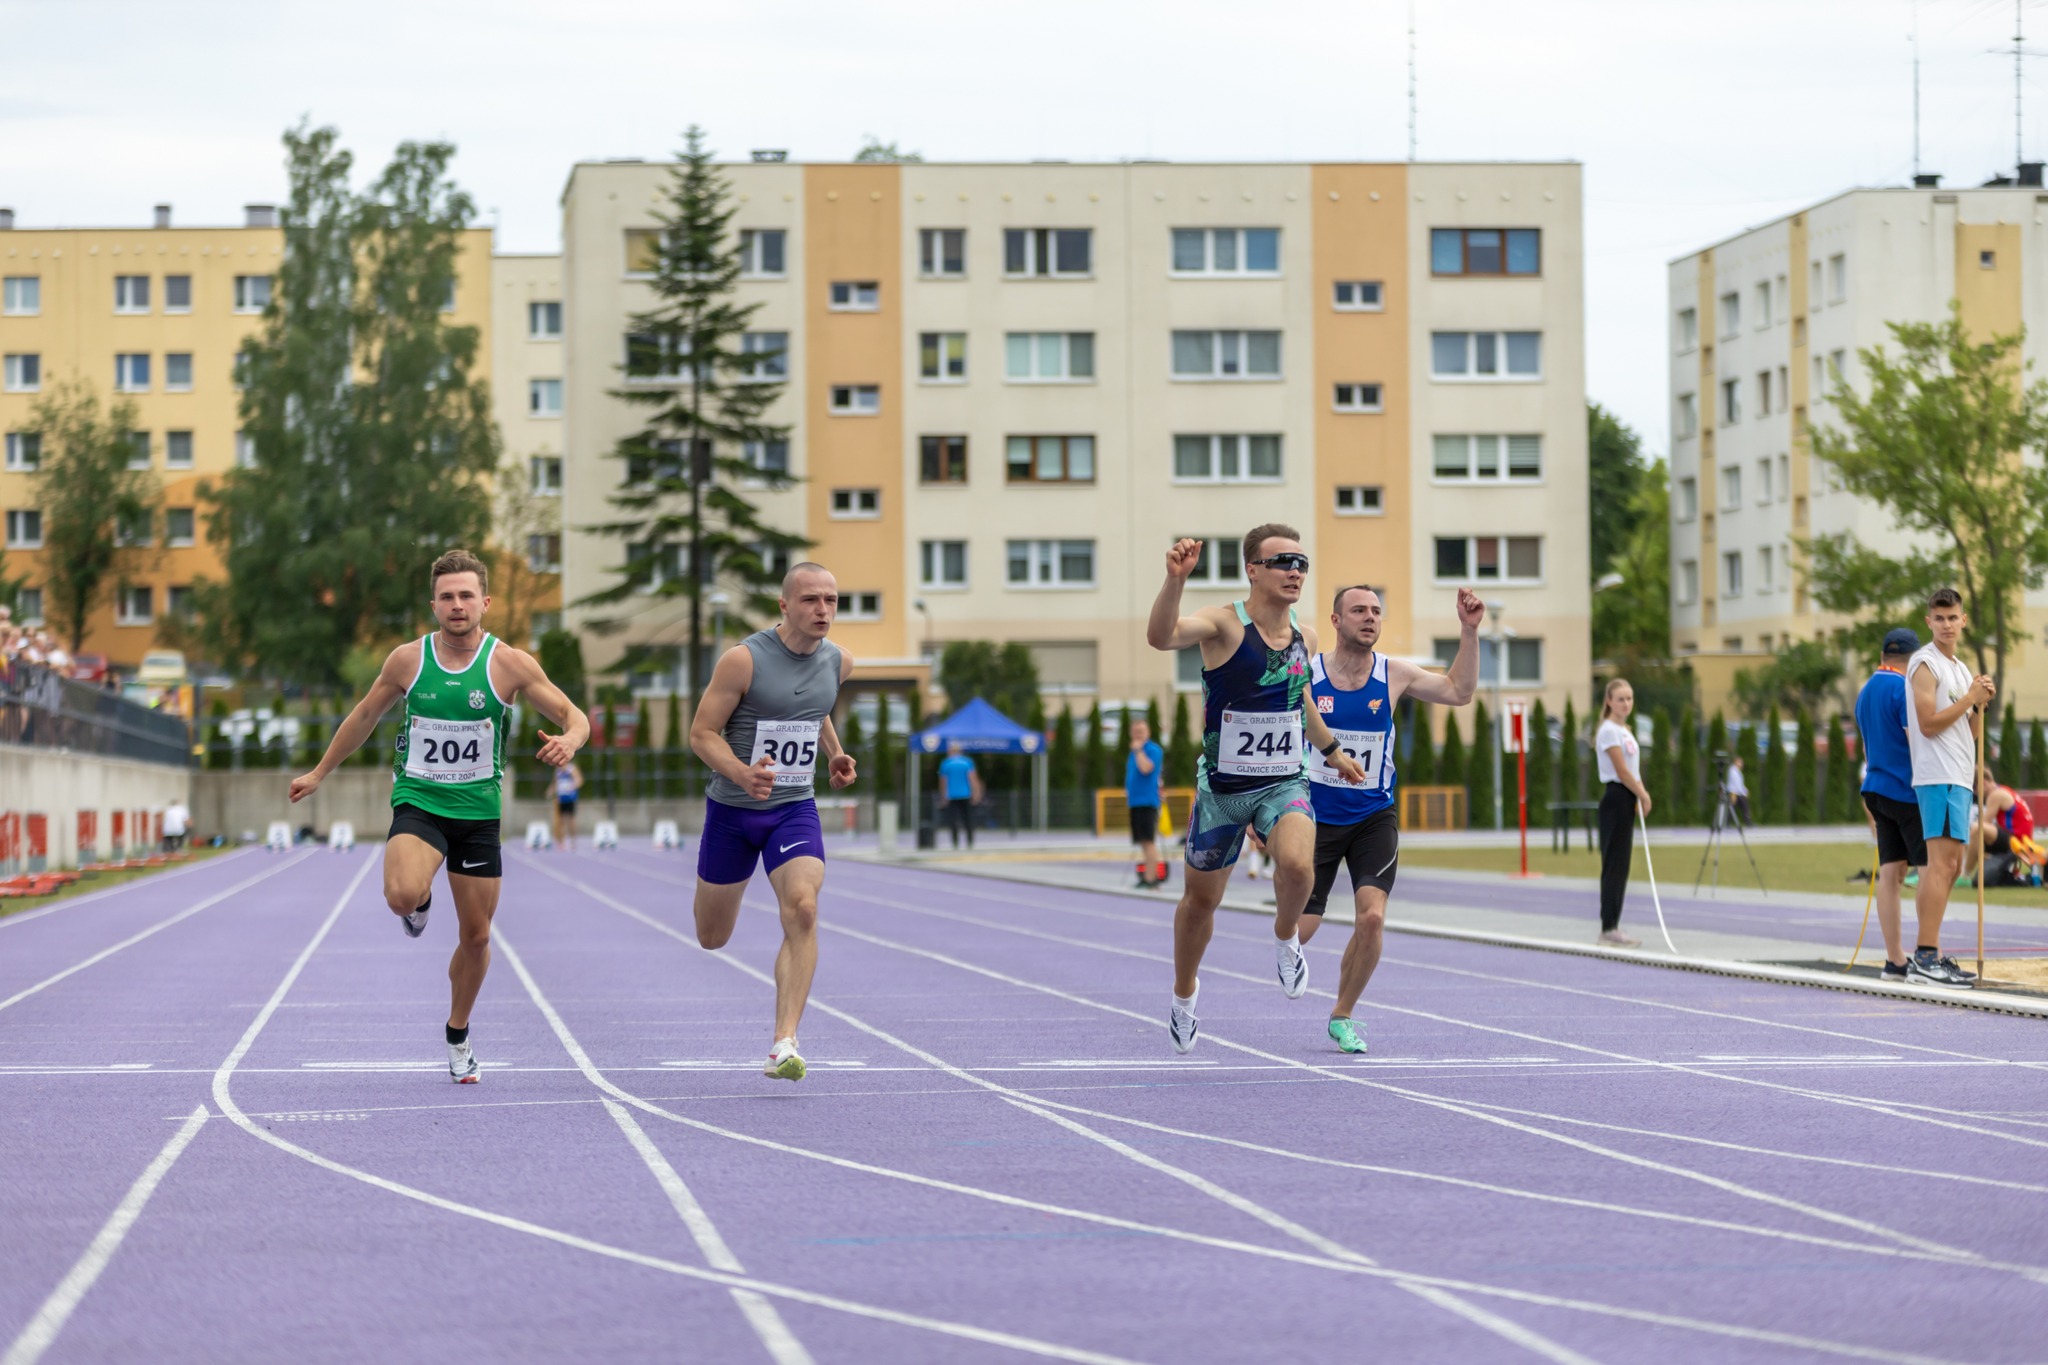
{"points": [[1251, 712]]}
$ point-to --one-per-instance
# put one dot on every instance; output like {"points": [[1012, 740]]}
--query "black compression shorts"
{"points": [[1370, 848], [470, 847]]}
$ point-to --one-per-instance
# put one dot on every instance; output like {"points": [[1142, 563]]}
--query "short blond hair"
{"points": [[459, 561]]}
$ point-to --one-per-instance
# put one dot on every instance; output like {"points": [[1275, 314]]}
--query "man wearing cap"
{"points": [[1888, 790]]}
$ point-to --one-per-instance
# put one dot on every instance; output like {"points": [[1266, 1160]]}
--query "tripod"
{"points": [[1724, 816]]}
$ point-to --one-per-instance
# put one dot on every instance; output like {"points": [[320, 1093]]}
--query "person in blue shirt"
{"points": [[963, 793], [1888, 789], [1141, 794]]}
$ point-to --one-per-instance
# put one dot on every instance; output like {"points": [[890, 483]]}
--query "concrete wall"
{"points": [[233, 803], [60, 785]]}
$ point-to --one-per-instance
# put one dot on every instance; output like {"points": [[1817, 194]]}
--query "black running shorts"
{"points": [[1370, 848], [1144, 824], [470, 847], [1900, 836]]}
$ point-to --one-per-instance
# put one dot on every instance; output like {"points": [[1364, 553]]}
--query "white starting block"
{"points": [[537, 835], [341, 836], [666, 835], [280, 837], [606, 835]]}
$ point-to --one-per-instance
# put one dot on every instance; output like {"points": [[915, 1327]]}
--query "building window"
{"points": [[1688, 330], [1731, 401], [1524, 660], [1784, 566], [1358, 296], [131, 293], [1731, 574], [1731, 488], [544, 552], [1731, 314], [1838, 279], [1220, 564], [1688, 504], [767, 457], [24, 451], [942, 564], [1047, 251], [1486, 355], [543, 321], [28, 606], [245, 450], [1048, 357], [653, 358], [252, 293], [131, 372], [178, 602], [1764, 581], [1686, 421], [942, 459], [856, 296], [643, 252], [543, 398], [1763, 393], [138, 450], [1359, 500], [1784, 478], [136, 530], [177, 450], [180, 527], [1226, 459], [1485, 251], [1763, 306], [856, 504], [1763, 481], [665, 464], [770, 352], [24, 373], [448, 296], [177, 293], [761, 252], [1688, 582], [545, 475], [942, 252], [1489, 559], [1226, 251], [134, 606], [1487, 459], [942, 357], [860, 606], [24, 528], [1051, 563], [1987, 260], [177, 372], [1051, 459], [1226, 355], [859, 400], [21, 296], [1358, 398], [652, 563]]}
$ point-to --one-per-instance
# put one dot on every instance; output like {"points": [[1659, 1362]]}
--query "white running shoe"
{"points": [[462, 1064], [1182, 1024], [1292, 961], [783, 1061], [415, 924]]}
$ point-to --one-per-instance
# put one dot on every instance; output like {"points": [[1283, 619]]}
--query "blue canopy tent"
{"points": [[979, 728]]}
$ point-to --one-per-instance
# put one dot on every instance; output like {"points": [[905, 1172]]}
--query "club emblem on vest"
{"points": [[1326, 704], [1373, 705], [476, 699]]}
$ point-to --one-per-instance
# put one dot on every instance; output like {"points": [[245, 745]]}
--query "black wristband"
{"points": [[1330, 748]]}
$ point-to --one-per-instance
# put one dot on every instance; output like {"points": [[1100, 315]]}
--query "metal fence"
{"points": [[40, 708]]}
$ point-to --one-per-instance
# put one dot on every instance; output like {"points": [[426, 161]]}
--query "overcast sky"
{"points": [[1694, 120]]}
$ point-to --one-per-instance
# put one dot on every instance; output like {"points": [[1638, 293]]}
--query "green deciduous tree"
{"points": [[1004, 676], [92, 503], [873, 148], [1632, 618], [1662, 759], [1805, 675], [1615, 471]]}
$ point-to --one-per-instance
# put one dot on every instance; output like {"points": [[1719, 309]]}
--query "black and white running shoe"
{"points": [[1182, 1025], [1894, 974], [1963, 972], [416, 923], [462, 1064], [1291, 962], [1938, 971]]}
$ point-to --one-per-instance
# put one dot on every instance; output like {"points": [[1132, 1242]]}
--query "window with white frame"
{"points": [[131, 372], [1784, 566], [177, 372], [653, 358], [1838, 367], [544, 552], [23, 373], [1731, 314], [1784, 388], [1763, 306], [855, 296], [1489, 559], [24, 451], [28, 607], [860, 606], [942, 252], [1838, 278], [544, 474], [1813, 292], [1226, 355], [1688, 329], [134, 605], [245, 450], [1688, 504], [856, 400], [1763, 393], [1763, 481], [543, 398], [1050, 563], [177, 450], [1783, 311], [1187, 669], [177, 293], [856, 504], [1360, 500], [1226, 251], [1731, 401], [768, 458], [1220, 564], [131, 293], [1227, 458], [1731, 488], [770, 352], [1688, 582], [1048, 252], [138, 450], [774, 559], [1357, 398], [942, 564], [252, 293], [1784, 477], [1048, 357], [942, 357], [180, 527], [1731, 574], [762, 252], [1764, 580], [1524, 660], [651, 563], [1358, 296], [1050, 459], [1487, 458], [24, 528], [448, 295], [21, 296], [136, 529], [544, 321], [1469, 356]]}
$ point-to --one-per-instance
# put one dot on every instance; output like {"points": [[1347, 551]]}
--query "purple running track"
{"points": [[996, 1156]]}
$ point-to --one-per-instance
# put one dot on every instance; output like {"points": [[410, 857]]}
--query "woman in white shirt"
{"points": [[1614, 748]]}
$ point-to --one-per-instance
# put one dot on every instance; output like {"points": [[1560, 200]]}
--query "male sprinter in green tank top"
{"points": [[448, 771]]}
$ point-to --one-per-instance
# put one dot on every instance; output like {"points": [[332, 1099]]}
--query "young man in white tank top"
{"points": [[1941, 695]]}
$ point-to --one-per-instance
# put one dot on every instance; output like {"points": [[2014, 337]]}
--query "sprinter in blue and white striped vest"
{"points": [[1355, 690]]}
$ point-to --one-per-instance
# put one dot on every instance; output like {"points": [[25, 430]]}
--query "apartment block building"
{"points": [[527, 379], [153, 315], [1010, 387], [1760, 327]]}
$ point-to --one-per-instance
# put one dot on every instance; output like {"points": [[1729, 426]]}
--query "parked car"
{"points": [[161, 668], [91, 668]]}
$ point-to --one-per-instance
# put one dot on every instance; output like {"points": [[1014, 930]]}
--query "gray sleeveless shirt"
{"points": [[787, 687]]}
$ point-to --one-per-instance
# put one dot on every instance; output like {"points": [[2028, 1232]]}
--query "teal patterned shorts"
{"points": [[1216, 829]]}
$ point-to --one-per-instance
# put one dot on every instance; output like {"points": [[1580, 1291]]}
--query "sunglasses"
{"points": [[1289, 562]]}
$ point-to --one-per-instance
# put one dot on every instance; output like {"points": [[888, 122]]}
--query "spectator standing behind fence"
{"points": [[963, 793], [177, 824], [1738, 790]]}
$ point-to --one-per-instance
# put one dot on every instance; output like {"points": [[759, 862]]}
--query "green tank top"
{"points": [[450, 758]]}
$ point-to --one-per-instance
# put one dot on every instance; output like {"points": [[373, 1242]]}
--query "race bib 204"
{"points": [[450, 751]]}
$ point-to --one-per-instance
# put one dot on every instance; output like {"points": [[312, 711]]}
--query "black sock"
{"points": [[457, 1035], [1931, 949]]}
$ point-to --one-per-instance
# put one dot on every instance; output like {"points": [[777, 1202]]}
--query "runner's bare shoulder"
{"points": [[402, 665]]}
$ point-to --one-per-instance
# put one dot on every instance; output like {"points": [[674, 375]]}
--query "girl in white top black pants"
{"points": [[1614, 748]]}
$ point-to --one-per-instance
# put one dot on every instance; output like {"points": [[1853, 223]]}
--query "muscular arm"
{"points": [[531, 682], [399, 667], [1166, 628], [1933, 717], [1456, 685], [729, 682]]}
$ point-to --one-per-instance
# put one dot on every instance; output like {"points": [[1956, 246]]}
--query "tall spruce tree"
{"points": [[1181, 750], [1841, 804], [1568, 770], [1805, 773], [1450, 765], [1662, 767], [1771, 785], [1420, 770], [2008, 768], [1062, 764], [2037, 756], [1685, 778], [1094, 764], [1479, 770], [680, 513], [1542, 766], [91, 500]]}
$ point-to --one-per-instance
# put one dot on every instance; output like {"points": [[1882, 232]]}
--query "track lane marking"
{"points": [[20, 917]]}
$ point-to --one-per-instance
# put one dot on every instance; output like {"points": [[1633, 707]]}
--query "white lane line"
{"points": [[156, 928], [133, 883], [1732, 1330], [768, 1325], [49, 1320]]}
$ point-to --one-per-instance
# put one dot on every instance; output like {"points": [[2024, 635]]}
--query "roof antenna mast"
{"points": [[1411, 80], [1916, 91]]}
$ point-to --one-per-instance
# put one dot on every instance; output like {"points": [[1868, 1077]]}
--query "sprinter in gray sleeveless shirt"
{"points": [[771, 698]]}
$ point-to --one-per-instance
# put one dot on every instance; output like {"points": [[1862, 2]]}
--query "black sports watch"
{"points": [[1330, 748]]}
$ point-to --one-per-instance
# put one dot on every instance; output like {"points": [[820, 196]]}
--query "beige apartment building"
{"points": [[1010, 387], [527, 379], [1760, 324]]}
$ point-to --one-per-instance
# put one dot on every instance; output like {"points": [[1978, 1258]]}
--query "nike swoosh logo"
{"points": [[787, 847], [469, 865]]}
